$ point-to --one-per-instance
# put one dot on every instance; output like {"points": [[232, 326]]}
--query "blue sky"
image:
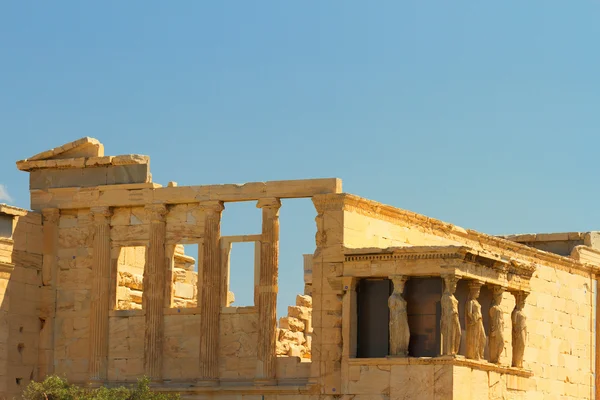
{"points": [[483, 114]]}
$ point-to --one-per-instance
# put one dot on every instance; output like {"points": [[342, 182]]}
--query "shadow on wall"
{"points": [[23, 338]]}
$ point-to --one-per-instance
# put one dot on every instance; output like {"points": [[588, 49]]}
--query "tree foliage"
{"points": [[56, 388]]}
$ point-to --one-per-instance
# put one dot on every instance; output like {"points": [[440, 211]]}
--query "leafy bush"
{"points": [[56, 388]]}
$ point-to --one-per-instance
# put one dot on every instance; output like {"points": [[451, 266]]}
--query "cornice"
{"points": [[460, 253], [492, 244]]}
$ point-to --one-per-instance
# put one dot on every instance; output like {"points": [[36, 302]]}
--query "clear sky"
{"points": [[484, 114]]}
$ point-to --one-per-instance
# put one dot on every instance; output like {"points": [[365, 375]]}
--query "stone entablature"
{"points": [[439, 261]]}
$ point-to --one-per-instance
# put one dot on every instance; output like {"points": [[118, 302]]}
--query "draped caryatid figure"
{"points": [[496, 339], [450, 323], [519, 330], [399, 331], [475, 343]]}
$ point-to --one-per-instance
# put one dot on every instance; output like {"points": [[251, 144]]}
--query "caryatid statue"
{"points": [[496, 339], [399, 331], [475, 342], [450, 323], [519, 330]]}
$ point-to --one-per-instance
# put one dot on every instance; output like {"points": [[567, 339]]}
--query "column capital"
{"points": [[399, 281], [50, 215], [215, 206], [156, 212], [450, 281], [268, 202], [101, 214], [520, 297], [498, 288], [475, 284]]}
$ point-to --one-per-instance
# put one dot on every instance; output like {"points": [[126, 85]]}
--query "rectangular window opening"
{"points": [[294, 298], [130, 262], [241, 275], [183, 289]]}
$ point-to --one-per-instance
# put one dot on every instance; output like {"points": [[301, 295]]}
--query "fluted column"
{"points": [[50, 218], [267, 290], [154, 292], [100, 305], [210, 303]]}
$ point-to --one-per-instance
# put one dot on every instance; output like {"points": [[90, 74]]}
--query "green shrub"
{"points": [[56, 388]]}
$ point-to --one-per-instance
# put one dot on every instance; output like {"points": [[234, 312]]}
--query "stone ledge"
{"points": [[239, 310], [82, 162], [182, 311], [234, 386], [7, 267], [126, 313], [458, 361], [12, 210]]}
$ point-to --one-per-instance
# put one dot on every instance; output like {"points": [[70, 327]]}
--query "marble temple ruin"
{"points": [[95, 286]]}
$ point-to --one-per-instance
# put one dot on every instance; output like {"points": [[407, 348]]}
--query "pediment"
{"points": [[84, 147]]}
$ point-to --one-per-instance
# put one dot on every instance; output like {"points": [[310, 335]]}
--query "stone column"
{"points": [[519, 329], [210, 304], [496, 339], [475, 341], [100, 301], [399, 330], [267, 290], [154, 292], [51, 217]]}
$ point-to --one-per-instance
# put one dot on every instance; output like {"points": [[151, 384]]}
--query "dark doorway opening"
{"points": [[373, 318], [424, 311]]}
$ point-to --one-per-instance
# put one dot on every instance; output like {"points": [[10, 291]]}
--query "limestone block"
{"points": [[300, 312], [131, 281], [125, 233], [372, 381], [138, 216], [121, 216], [286, 335], [296, 350], [181, 346], [282, 348], [181, 368], [412, 382], [304, 301], [184, 290], [179, 275], [283, 324], [182, 303], [291, 323]]}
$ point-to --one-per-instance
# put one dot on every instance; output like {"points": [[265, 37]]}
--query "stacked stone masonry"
{"points": [[294, 335], [95, 286]]}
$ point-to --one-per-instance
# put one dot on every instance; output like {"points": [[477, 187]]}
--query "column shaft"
{"points": [[210, 303], [267, 289], [154, 292], [100, 305], [51, 218]]}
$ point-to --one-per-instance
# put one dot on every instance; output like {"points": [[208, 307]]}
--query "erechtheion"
{"points": [[96, 287]]}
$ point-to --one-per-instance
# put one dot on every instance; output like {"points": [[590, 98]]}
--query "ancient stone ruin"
{"points": [[96, 286]]}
